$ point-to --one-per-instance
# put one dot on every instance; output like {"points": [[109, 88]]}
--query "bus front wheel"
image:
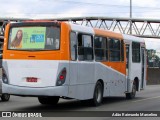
{"points": [[133, 93], [48, 100]]}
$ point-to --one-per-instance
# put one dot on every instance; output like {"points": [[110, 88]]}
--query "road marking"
{"points": [[146, 99]]}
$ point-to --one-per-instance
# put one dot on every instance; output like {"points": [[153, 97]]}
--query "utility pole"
{"points": [[130, 16]]}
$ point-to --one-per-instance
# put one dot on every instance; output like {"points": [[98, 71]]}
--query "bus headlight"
{"points": [[4, 76], [61, 77]]}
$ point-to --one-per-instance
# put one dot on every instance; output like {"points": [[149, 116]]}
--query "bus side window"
{"points": [[114, 49], [122, 50], [100, 48], [85, 47], [135, 52], [73, 45]]}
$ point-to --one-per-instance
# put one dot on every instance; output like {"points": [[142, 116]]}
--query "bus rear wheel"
{"points": [[98, 94], [5, 97], [133, 93], [48, 100]]}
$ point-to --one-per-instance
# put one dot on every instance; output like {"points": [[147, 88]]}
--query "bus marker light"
{"points": [[61, 77]]}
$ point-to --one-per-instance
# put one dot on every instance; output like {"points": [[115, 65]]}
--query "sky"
{"points": [[146, 9], [72, 8]]}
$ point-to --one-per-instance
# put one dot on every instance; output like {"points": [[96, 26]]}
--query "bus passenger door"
{"points": [[127, 67], [143, 68], [0, 86]]}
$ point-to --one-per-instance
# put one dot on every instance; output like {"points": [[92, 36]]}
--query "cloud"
{"points": [[41, 8], [152, 44], [31, 8], [74, 12], [70, 8], [145, 3], [52, 8], [141, 3]]}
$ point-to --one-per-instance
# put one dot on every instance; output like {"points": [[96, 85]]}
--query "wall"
{"points": [[153, 76]]}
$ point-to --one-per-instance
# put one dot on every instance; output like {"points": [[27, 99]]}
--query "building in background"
{"points": [[153, 58]]}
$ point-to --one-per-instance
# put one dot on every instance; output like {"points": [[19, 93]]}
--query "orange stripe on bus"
{"points": [[118, 66], [107, 33]]}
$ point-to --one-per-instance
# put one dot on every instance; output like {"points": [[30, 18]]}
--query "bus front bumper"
{"points": [[33, 91]]}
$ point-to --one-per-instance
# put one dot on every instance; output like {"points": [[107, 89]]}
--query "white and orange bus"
{"points": [[50, 60]]}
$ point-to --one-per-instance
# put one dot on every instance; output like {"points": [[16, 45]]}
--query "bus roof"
{"points": [[130, 38], [127, 38], [80, 28]]}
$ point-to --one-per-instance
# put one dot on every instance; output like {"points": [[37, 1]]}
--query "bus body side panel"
{"points": [[84, 75], [82, 80], [114, 81]]}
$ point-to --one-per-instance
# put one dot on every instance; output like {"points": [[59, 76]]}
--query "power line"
{"points": [[100, 4]]}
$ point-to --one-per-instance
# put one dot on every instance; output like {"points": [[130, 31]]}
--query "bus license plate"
{"points": [[31, 79]]}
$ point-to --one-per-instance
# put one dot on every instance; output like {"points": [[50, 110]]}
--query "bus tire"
{"points": [[133, 93], [5, 97], [48, 100], [98, 94]]}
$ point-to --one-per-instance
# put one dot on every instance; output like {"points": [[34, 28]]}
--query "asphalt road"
{"points": [[146, 100]]}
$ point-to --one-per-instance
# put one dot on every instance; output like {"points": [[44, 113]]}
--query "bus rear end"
{"points": [[35, 61]]}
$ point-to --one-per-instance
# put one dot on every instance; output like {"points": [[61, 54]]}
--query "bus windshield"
{"points": [[34, 38]]}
